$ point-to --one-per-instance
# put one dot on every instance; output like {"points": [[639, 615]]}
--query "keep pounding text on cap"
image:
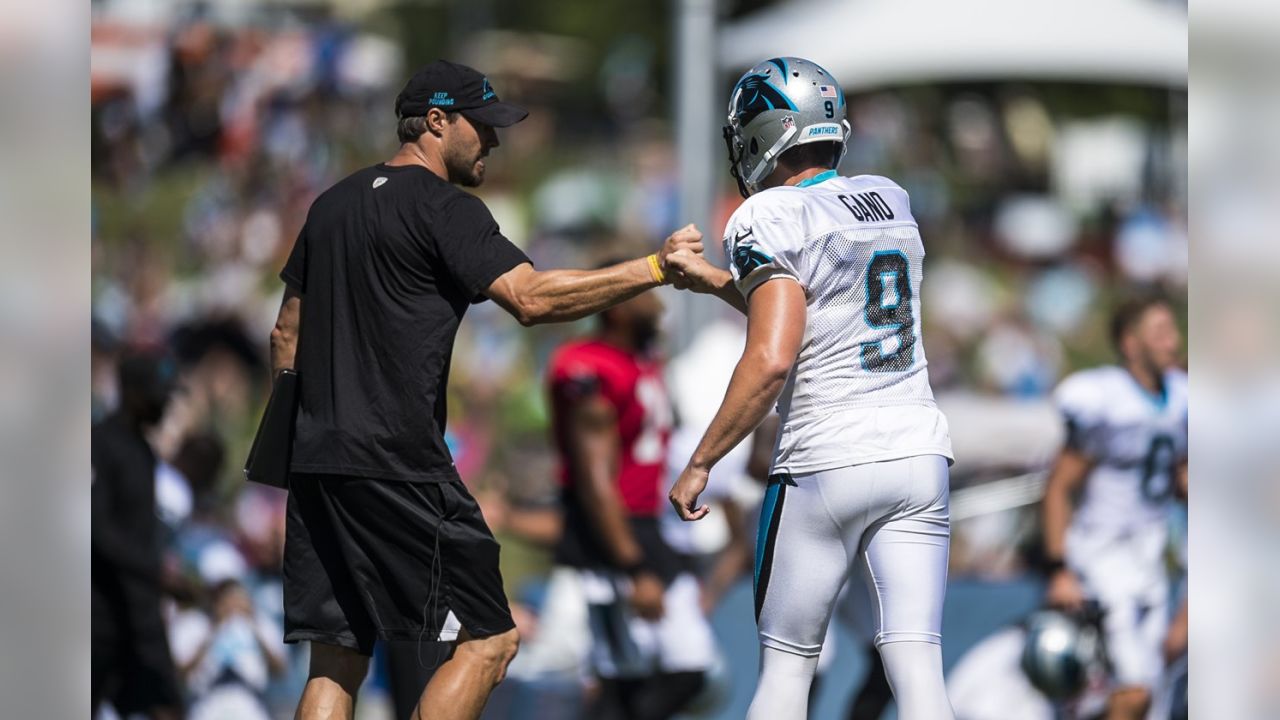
{"points": [[454, 87]]}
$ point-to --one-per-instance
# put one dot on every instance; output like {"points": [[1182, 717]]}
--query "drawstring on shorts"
{"points": [[436, 573]]}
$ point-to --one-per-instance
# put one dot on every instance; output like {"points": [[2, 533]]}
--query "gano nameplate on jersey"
{"points": [[867, 206]]}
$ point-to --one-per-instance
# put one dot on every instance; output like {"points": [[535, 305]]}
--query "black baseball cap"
{"points": [[453, 87]]}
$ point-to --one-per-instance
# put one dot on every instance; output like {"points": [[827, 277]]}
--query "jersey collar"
{"points": [[822, 177], [1159, 399]]}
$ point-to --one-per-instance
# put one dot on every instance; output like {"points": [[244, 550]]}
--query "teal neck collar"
{"points": [[1159, 398], [822, 177]]}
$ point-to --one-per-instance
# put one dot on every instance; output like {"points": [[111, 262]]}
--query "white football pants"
{"points": [[892, 519]]}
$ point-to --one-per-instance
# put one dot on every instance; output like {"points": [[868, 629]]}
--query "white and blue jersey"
{"points": [[1135, 440], [859, 390], [1118, 537]]}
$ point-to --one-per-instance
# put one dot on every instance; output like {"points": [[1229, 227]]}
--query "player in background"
{"points": [[611, 416], [828, 271], [1008, 673], [1126, 457]]}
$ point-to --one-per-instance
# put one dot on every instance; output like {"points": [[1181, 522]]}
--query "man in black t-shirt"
{"points": [[382, 538]]}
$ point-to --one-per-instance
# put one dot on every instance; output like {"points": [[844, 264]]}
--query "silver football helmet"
{"points": [[1062, 652], [779, 104]]}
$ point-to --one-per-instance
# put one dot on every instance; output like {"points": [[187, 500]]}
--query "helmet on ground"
{"points": [[779, 104], [1062, 653]]}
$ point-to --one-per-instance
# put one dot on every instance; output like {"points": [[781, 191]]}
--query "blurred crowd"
{"points": [[1039, 204]]}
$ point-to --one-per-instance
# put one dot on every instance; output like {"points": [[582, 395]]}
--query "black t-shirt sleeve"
{"points": [[470, 247], [295, 268]]}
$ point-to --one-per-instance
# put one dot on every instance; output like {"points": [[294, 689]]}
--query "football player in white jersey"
{"points": [[1126, 457], [828, 270]]}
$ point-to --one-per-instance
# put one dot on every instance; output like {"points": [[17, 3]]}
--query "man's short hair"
{"points": [[1129, 312], [410, 128], [815, 154]]}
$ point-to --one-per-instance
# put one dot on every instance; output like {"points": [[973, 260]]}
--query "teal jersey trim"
{"points": [[1160, 400], [823, 177]]}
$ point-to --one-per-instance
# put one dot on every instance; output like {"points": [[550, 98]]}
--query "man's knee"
{"points": [[495, 651], [344, 666], [502, 649]]}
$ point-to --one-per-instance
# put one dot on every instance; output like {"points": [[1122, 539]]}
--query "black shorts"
{"points": [[402, 561]]}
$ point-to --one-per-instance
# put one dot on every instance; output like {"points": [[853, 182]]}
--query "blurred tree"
{"points": [[429, 31]]}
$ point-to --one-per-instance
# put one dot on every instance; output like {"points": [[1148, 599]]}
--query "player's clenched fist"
{"points": [[687, 238], [688, 270]]}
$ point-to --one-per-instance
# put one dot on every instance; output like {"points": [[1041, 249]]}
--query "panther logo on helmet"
{"points": [[776, 106], [758, 95]]}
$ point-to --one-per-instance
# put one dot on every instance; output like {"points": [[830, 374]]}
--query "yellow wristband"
{"points": [[655, 269]]}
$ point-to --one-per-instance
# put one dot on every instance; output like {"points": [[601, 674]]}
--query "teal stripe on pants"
{"points": [[762, 531]]}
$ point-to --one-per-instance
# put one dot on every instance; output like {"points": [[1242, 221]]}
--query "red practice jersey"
{"points": [[633, 385]]}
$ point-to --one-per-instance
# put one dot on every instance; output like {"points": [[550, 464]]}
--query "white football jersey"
{"points": [[859, 390], [1136, 441]]}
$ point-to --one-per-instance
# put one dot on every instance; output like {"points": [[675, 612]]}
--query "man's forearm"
{"points": [[724, 289], [1057, 516], [1067, 474], [701, 276], [753, 390], [609, 517], [282, 354], [564, 295], [594, 454], [284, 336]]}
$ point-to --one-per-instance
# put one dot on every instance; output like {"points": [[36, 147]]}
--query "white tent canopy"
{"points": [[877, 43]]}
